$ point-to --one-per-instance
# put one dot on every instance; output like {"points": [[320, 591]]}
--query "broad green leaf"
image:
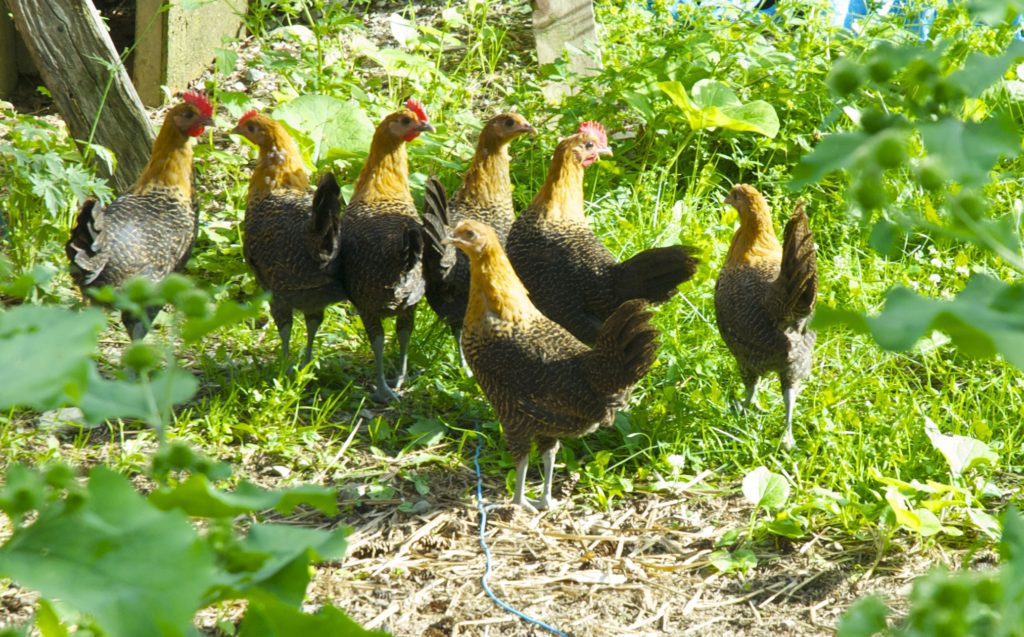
{"points": [[995, 12], [134, 569], [985, 522], [786, 527], [741, 560], [198, 498], [47, 352], [834, 152], [969, 150], [920, 520], [715, 105], [986, 318], [428, 431], [227, 313], [225, 60], [284, 553], [762, 488], [149, 400], [334, 126], [268, 617], [48, 622], [961, 452], [865, 618], [981, 71]]}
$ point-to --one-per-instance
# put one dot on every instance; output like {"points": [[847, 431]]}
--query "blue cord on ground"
{"points": [[487, 552]]}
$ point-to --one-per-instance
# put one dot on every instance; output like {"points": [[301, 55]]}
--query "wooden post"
{"points": [[8, 55], [67, 40], [560, 22]]}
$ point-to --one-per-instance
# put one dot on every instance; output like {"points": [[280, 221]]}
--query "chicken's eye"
{"points": [[189, 114], [406, 121], [252, 127], [588, 145], [509, 123]]}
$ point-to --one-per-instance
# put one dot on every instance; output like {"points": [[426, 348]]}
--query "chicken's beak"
{"points": [[425, 127], [604, 151], [205, 121], [526, 128], [237, 130]]}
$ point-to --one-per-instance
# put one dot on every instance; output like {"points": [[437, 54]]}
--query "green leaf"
{"points": [[715, 105], [986, 318], [969, 150], [134, 569], [864, 619], [985, 523], [284, 553], [995, 12], [225, 60], [786, 527], [199, 498], [428, 431], [150, 400], [834, 152], [762, 488], [267, 617], [961, 452], [53, 347], [227, 313], [48, 622], [741, 560], [920, 520], [334, 126], [981, 71]]}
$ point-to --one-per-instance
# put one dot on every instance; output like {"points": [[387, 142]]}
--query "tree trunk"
{"points": [[73, 52]]}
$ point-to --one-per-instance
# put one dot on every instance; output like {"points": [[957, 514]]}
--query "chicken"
{"points": [[380, 251], [543, 383], [572, 277], [764, 298], [486, 196], [149, 230], [290, 232]]}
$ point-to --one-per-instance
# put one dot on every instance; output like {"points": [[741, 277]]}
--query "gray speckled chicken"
{"points": [[290, 232], [381, 241], [486, 196], [764, 298], [572, 277], [149, 230], [543, 383]]}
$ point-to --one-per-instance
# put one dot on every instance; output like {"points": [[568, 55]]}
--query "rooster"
{"points": [[380, 250], [290, 233], [149, 230], [543, 383], [572, 277], [486, 196], [764, 298]]}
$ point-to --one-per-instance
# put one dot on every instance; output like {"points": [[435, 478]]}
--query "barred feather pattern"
{"points": [[148, 235]]}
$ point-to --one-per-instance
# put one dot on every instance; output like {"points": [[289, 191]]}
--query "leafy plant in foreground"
{"points": [[962, 604], [105, 557], [936, 112]]}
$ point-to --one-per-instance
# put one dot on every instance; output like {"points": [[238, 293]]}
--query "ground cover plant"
{"points": [[908, 440]]}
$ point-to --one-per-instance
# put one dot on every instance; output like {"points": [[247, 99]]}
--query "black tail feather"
{"points": [[626, 348], [654, 274], [796, 289], [327, 205]]}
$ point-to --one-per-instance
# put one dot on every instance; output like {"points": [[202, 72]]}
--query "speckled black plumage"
{"points": [[290, 238], [148, 235], [763, 308], [543, 383], [572, 277]]}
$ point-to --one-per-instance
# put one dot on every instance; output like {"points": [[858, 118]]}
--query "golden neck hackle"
{"points": [[495, 292], [754, 242], [280, 166], [170, 163], [561, 196], [487, 181], [385, 176]]}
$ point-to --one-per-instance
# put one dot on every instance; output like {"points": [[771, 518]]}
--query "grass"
{"points": [[862, 411]]}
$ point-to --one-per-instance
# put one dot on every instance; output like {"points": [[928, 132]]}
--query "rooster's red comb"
{"points": [[249, 114], [198, 99], [415, 106], [594, 129]]}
